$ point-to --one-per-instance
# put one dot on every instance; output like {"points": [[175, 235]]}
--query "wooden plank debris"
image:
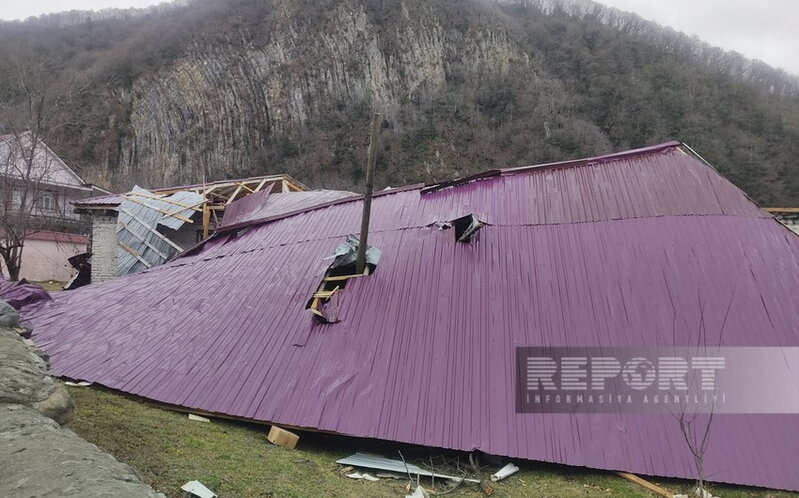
{"points": [[233, 196], [648, 485], [142, 240], [135, 254], [162, 199], [282, 437], [206, 220], [791, 210]]}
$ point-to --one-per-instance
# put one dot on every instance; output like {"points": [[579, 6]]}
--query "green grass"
{"points": [[50, 285], [235, 460]]}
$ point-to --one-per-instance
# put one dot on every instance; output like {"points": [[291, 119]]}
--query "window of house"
{"points": [[47, 201]]}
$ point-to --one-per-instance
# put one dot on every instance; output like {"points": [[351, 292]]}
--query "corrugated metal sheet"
{"points": [[616, 252], [243, 209], [110, 200], [262, 206], [21, 294], [141, 242]]}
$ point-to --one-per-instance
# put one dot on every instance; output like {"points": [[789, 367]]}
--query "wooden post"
{"points": [[360, 265], [206, 214]]}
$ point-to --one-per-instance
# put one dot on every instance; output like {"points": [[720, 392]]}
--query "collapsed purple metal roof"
{"points": [[264, 206], [22, 294], [611, 251]]}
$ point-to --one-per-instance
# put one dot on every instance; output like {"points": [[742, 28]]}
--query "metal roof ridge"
{"points": [[250, 223], [597, 159], [351, 198], [559, 164]]}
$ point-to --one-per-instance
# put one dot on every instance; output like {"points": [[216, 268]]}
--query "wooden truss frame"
{"points": [[218, 195]]}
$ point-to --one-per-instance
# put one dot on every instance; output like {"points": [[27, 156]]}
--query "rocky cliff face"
{"points": [[209, 89], [213, 108]]}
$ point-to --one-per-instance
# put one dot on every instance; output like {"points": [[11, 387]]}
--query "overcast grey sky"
{"points": [[21, 9], [761, 29]]}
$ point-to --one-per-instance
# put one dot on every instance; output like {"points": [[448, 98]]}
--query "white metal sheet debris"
{"points": [[372, 461], [196, 488], [504, 472], [364, 476], [419, 492]]}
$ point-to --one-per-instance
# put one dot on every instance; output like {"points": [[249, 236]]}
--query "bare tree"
{"points": [[695, 425], [34, 104], [696, 432]]}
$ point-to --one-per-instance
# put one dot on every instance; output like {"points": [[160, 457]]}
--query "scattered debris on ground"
{"points": [[504, 472], [646, 484], [82, 383], [364, 476], [703, 493], [282, 437], [234, 459], [198, 489], [414, 472], [419, 492]]}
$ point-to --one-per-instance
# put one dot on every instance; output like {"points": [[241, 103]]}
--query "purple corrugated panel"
{"points": [[424, 350], [244, 208], [261, 207], [22, 294], [666, 182]]}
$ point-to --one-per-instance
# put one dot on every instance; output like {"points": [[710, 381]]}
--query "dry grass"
{"points": [[235, 460]]}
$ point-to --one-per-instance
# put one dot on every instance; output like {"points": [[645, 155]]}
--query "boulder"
{"points": [[40, 458], [9, 317], [23, 373], [37, 456], [59, 406]]}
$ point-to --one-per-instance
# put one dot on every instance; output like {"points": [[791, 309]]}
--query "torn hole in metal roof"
{"points": [[324, 303], [465, 227], [238, 233]]}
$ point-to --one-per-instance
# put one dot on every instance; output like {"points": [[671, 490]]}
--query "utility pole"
{"points": [[360, 265]]}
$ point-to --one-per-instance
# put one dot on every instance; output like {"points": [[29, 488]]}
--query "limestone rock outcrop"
{"points": [[38, 457]]}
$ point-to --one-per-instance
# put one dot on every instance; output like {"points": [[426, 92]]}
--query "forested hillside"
{"points": [[230, 88]]}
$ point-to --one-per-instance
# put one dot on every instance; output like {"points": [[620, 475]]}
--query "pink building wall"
{"points": [[45, 256]]}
